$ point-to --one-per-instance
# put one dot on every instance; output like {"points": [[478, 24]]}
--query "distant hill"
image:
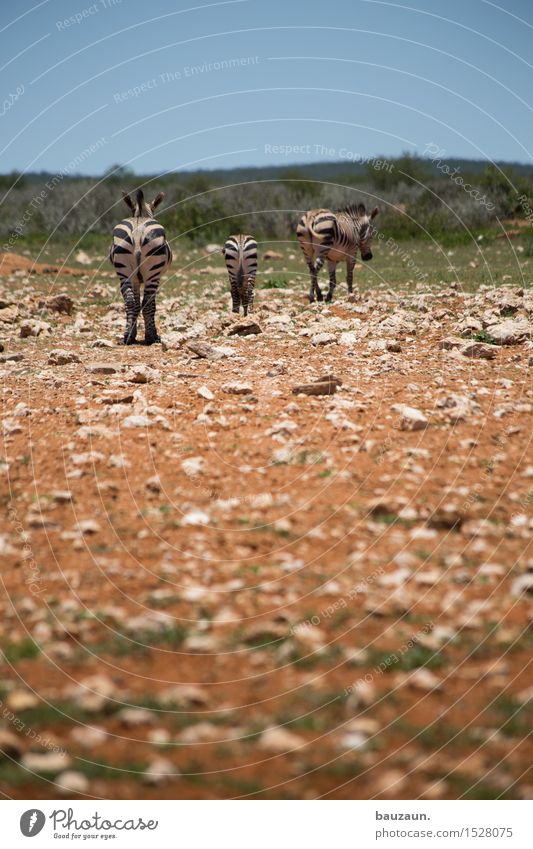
{"points": [[341, 172]]}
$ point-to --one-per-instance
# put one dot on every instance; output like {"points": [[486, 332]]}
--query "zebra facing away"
{"points": [[335, 237], [140, 253], [240, 253]]}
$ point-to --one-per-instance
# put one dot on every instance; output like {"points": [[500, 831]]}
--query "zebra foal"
{"points": [[240, 254], [335, 237], [139, 254]]}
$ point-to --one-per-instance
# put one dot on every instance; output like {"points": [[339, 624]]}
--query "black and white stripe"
{"points": [[140, 253], [240, 253], [335, 237]]}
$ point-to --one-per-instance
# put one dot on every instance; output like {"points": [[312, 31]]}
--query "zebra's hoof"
{"points": [[129, 340], [152, 340], [329, 299], [320, 296]]}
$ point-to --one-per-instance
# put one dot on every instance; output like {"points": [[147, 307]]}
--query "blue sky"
{"points": [[165, 86]]}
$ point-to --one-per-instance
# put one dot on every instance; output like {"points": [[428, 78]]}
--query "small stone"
{"points": [[62, 496], [323, 339], [89, 736], [45, 761], [451, 343], [60, 357], [184, 696], [410, 417], [247, 327], [11, 358], [207, 352], [33, 327], [213, 248], [83, 258], [153, 485], [19, 700], [159, 771], [510, 332], [202, 732], [390, 782], [102, 343], [280, 740], [196, 517], [353, 740], [523, 585], [72, 782], [393, 347], [143, 374], [131, 717], [89, 526], [61, 303], [268, 255], [136, 421], [479, 350], [205, 392], [423, 679], [193, 466], [237, 388], [326, 385], [103, 368]]}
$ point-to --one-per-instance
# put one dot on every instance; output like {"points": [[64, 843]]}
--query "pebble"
{"points": [[237, 388], [247, 327], [45, 761], [136, 421], [323, 339], [160, 771], [205, 392], [72, 782], [280, 740], [410, 417], [59, 357]]}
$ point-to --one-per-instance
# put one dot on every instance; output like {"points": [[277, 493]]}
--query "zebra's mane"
{"points": [[352, 209]]}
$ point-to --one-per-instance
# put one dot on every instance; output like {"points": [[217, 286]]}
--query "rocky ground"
{"points": [[284, 557]]}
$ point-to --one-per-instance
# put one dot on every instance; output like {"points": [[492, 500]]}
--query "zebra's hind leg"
{"points": [[235, 297], [319, 262], [332, 266], [349, 274], [314, 287], [148, 307], [133, 307], [248, 296]]}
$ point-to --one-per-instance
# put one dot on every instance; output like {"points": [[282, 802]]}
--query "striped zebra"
{"points": [[335, 237], [240, 253], [140, 253]]}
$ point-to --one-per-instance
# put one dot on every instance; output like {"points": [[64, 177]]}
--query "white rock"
{"points": [[196, 517], [136, 421], [237, 388], [280, 740], [59, 357], [45, 761], [205, 392], [410, 417], [143, 374], [72, 782], [159, 771], [323, 339]]}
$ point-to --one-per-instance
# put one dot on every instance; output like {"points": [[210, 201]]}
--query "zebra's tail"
{"points": [[240, 267]]}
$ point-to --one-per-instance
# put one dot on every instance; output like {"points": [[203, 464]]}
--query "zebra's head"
{"points": [[141, 208], [366, 231]]}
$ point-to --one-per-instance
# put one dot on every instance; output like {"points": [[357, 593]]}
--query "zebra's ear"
{"points": [[157, 200], [361, 209], [374, 212], [127, 200]]}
